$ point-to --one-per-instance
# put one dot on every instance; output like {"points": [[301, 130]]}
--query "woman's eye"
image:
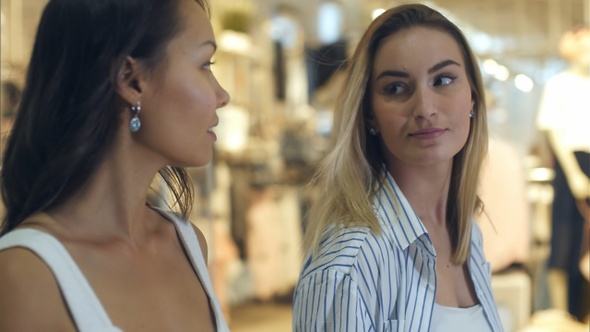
{"points": [[207, 65], [444, 80], [394, 89]]}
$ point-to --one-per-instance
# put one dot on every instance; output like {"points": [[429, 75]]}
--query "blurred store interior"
{"points": [[282, 62]]}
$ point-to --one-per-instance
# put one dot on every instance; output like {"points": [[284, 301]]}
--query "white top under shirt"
{"points": [[452, 319]]}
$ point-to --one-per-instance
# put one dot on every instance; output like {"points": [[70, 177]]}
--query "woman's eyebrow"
{"points": [[398, 73], [442, 64]]}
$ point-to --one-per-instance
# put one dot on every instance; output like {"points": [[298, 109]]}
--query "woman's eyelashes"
{"points": [[444, 79], [207, 65], [394, 88]]}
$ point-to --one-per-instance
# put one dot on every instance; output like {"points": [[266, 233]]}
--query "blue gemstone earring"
{"points": [[135, 123]]}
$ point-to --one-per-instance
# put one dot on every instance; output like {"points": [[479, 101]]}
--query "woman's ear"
{"points": [[370, 121], [129, 81]]}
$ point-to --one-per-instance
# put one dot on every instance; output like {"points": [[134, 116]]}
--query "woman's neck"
{"points": [[426, 190], [112, 203]]}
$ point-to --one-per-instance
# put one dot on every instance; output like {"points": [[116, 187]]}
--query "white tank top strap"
{"points": [[86, 309], [191, 243]]}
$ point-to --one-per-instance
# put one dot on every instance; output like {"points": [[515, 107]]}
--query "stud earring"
{"points": [[471, 113], [372, 132], [135, 123]]}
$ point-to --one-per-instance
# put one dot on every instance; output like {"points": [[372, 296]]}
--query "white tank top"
{"points": [[447, 319], [88, 313]]}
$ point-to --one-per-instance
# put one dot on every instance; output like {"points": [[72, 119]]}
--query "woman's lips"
{"points": [[428, 133], [212, 133]]}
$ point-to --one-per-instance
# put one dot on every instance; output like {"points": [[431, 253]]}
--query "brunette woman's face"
{"points": [[420, 98], [180, 100]]}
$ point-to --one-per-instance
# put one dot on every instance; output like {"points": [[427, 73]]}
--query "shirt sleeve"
{"points": [[329, 301]]}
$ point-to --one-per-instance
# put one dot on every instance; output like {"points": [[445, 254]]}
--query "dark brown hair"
{"points": [[69, 112]]}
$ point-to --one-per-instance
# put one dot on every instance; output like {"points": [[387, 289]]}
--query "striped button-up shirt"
{"points": [[362, 281]]}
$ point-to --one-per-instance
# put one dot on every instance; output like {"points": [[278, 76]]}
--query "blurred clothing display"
{"points": [[505, 223], [273, 241]]}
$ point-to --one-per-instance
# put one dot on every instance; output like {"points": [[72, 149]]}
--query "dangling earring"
{"points": [[372, 132], [135, 123], [471, 114]]}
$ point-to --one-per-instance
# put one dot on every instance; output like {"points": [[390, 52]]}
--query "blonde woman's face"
{"points": [[420, 97]]}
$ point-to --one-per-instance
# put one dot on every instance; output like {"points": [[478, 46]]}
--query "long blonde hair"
{"points": [[351, 173]]}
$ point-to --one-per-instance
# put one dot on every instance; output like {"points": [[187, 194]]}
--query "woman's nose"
{"points": [[424, 105], [222, 96]]}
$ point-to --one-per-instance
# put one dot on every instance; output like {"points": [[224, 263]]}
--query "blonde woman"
{"points": [[392, 245]]}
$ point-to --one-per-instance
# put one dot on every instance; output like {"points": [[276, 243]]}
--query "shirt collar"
{"points": [[396, 214]]}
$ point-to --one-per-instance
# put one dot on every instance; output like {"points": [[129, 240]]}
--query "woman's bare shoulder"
{"points": [[30, 298]]}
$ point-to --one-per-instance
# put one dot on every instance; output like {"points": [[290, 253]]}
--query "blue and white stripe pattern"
{"points": [[362, 281]]}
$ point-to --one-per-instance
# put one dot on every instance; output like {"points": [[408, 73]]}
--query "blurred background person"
{"points": [[564, 117]]}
